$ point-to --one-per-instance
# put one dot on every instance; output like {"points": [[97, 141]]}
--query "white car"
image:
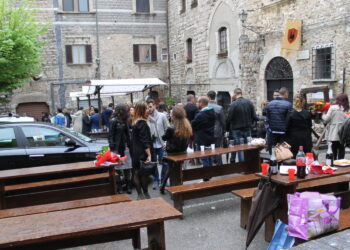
{"points": [[16, 119]]}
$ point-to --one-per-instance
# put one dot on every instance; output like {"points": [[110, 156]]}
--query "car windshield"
{"points": [[80, 136]]}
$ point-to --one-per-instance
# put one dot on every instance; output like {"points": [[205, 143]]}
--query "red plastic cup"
{"points": [[264, 168], [291, 173]]}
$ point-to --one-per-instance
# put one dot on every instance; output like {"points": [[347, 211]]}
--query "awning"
{"points": [[128, 82]]}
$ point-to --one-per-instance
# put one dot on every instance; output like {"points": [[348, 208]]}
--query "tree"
{"points": [[20, 44]]}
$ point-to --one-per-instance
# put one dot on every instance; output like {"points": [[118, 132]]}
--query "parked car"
{"points": [[16, 118], [29, 144]]}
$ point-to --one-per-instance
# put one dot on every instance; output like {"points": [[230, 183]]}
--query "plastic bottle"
{"points": [[301, 163]]}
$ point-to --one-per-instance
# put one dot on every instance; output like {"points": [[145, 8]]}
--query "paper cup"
{"points": [[212, 146], [202, 148]]}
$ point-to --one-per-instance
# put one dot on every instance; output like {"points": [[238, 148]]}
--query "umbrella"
{"points": [[264, 202]]}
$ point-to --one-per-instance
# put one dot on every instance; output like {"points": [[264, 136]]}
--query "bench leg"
{"points": [[2, 195], [156, 236], [113, 180], [136, 239], [245, 208], [178, 202], [269, 228]]}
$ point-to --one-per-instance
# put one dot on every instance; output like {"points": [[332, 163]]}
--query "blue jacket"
{"points": [[95, 121], [106, 116], [276, 114], [60, 119]]}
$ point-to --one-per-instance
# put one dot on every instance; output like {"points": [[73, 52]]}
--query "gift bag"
{"points": [[311, 214], [280, 238]]}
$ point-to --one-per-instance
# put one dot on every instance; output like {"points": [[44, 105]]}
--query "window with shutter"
{"points": [[145, 53], [136, 53], [78, 54], [142, 6], [83, 5], [189, 50], [68, 5], [154, 52], [88, 53], [75, 5]]}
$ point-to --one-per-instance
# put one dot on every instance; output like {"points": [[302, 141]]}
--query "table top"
{"points": [[284, 180], [209, 152], [43, 227], [52, 169]]}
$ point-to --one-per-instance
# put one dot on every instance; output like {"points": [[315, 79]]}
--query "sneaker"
{"points": [[147, 196], [155, 185], [140, 197]]}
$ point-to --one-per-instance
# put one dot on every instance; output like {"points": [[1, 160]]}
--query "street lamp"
{"points": [[243, 15]]}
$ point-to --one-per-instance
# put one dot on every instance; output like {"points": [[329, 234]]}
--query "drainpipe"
{"points": [[168, 45]]}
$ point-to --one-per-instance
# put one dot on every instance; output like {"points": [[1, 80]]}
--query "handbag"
{"points": [[147, 168], [283, 152]]}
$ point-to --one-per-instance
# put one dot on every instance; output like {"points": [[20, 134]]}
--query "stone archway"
{"points": [[279, 73]]}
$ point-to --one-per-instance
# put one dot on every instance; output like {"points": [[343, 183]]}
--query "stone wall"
{"points": [[119, 28]]}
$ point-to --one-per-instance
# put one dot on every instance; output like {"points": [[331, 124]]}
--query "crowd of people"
{"points": [[147, 131]]}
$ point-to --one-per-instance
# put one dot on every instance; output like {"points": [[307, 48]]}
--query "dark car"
{"points": [[37, 144]]}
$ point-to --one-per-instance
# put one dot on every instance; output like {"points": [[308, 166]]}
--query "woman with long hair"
{"points": [[334, 118], [176, 138], [141, 143], [119, 138], [298, 126]]}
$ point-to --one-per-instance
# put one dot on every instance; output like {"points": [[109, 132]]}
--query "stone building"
{"points": [[132, 37], [211, 50]]}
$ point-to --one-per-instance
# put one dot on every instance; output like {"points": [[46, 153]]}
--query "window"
{"points": [[223, 41], [164, 54], [75, 5], [145, 53], [183, 6], [78, 54], [142, 6], [323, 62], [189, 50], [43, 137], [7, 138]]}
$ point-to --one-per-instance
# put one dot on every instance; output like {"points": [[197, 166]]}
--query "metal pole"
{"points": [[132, 98], [112, 100], [344, 75], [77, 103], [98, 59], [89, 100]]}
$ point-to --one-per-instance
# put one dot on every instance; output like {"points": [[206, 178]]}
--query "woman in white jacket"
{"points": [[77, 120], [335, 118]]}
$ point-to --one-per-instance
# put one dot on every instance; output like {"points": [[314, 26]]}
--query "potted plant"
{"points": [[223, 53]]}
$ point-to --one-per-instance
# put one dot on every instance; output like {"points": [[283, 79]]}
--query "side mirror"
{"points": [[70, 143]]}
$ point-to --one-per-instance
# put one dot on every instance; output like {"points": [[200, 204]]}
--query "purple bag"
{"points": [[311, 214]]}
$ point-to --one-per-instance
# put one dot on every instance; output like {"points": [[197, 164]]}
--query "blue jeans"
{"points": [[165, 167], [237, 135], [157, 156], [207, 162]]}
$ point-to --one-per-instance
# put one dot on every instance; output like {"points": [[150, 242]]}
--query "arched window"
{"points": [[223, 40], [189, 50]]}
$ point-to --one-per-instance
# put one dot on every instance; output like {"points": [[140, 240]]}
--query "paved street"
{"points": [[210, 223]]}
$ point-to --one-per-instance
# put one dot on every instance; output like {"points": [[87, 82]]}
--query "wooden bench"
{"points": [[344, 219], [196, 190], [55, 183], [89, 225], [336, 184], [59, 206]]}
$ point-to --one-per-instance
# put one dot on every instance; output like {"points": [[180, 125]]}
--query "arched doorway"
{"points": [[279, 74]]}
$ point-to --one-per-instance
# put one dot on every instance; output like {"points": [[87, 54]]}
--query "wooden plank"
{"points": [[187, 188], [5, 213], [210, 153], [52, 169], [344, 219], [244, 194], [60, 195], [72, 223], [54, 182]]}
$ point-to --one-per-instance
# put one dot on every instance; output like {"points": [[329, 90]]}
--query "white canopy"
{"points": [[128, 82]]}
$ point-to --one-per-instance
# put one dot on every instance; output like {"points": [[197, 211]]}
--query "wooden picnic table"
{"points": [[286, 186], [178, 175], [54, 170], [74, 227]]}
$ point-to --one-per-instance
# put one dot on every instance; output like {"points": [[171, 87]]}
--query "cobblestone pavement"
{"points": [[210, 223]]}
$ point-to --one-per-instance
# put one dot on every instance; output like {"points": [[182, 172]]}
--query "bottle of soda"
{"points": [[301, 163], [273, 163], [329, 155]]}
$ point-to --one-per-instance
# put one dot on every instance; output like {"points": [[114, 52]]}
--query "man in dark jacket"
{"points": [[191, 108], [241, 116], [276, 115], [203, 126], [219, 128]]}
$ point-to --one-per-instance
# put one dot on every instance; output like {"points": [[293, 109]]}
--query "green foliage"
{"points": [[103, 150], [169, 101], [20, 47]]}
